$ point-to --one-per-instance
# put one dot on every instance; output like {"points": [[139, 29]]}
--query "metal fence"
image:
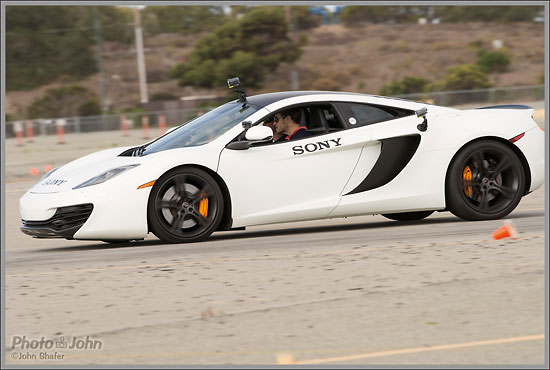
{"points": [[49, 126], [481, 96], [175, 117]]}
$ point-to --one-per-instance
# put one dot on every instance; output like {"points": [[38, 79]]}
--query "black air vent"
{"points": [[64, 218]]}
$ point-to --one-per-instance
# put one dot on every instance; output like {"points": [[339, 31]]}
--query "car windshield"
{"points": [[203, 129]]}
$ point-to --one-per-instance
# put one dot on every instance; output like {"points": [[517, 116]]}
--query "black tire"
{"points": [[408, 216], [494, 185], [174, 208]]}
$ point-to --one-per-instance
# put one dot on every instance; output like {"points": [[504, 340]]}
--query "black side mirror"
{"points": [[239, 145]]}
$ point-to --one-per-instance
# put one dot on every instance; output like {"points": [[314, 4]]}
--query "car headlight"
{"points": [[107, 175]]}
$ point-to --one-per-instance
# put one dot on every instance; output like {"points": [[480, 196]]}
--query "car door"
{"points": [[386, 177], [288, 181]]}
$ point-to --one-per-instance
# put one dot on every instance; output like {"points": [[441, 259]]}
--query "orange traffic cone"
{"points": [[505, 231], [145, 125], [162, 124], [123, 125]]}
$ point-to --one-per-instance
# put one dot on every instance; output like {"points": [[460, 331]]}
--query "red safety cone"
{"points": [[123, 125], [162, 124], [507, 230], [60, 123], [29, 132]]}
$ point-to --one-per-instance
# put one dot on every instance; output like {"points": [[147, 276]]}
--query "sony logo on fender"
{"points": [[312, 147], [54, 182]]}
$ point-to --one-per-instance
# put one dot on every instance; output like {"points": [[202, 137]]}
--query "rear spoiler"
{"points": [[507, 106], [517, 107]]}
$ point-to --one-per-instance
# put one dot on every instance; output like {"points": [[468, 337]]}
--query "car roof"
{"points": [[263, 100]]}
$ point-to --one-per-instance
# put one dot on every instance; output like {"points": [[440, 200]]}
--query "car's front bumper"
{"points": [[63, 224], [117, 211]]}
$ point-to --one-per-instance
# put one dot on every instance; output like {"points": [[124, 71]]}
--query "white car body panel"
{"points": [[534, 154], [262, 180], [271, 183]]}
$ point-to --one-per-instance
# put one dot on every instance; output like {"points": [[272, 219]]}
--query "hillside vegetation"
{"points": [[362, 57]]}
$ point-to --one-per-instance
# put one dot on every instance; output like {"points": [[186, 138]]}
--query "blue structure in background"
{"points": [[325, 13], [320, 10], [336, 12]]}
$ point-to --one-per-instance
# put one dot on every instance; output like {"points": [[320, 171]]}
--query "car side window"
{"points": [[323, 119], [357, 114], [333, 122]]}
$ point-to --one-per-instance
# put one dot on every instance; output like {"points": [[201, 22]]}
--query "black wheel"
{"points": [[185, 205], [408, 216], [485, 181]]}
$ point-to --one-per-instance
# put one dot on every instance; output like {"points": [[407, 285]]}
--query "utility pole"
{"points": [[294, 82], [140, 57], [97, 34]]}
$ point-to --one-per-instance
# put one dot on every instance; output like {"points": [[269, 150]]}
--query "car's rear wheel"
{"points": [[408, 216], [485, 181], [185, 205]]}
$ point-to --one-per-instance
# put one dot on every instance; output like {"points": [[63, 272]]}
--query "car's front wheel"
{"points": [[185, 205], [485, 181]]}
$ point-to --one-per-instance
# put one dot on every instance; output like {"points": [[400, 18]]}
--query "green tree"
{"points": [[90, 107], [249, 48], [408, 85], [35, 55], [44, 43], [302, 19], [66, 101], [116, 23], [184, 19], [465, 77], [493, 61]]}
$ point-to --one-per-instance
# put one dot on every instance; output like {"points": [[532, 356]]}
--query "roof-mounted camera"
{"points": [[234, 83], [422, 113]]}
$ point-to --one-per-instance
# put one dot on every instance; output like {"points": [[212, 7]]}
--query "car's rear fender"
{"points": [[519, 153]]}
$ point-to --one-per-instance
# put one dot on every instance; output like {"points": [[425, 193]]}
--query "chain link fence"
{"points": [[50, 126], [129, 121], [481, 96]]}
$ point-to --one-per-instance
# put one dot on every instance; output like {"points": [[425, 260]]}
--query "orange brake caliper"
{"points": [[203, 206], [467, 177]]}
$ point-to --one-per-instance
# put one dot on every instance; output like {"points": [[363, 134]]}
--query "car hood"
{"points": [[82, 169]]}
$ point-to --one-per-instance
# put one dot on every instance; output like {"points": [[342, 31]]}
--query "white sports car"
{"points": [[366, 155]]}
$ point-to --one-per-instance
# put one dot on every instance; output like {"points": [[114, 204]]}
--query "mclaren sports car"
{"points": [[365, 155]]}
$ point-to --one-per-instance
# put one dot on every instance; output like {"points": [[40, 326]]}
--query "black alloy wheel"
{"points": [[185, 205], [486, 181]]}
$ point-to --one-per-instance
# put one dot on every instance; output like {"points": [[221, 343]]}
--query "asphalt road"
{"points": [[361, 290]]}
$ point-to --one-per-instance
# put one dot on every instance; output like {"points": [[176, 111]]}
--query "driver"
{"points": [[286, 123], [270, 122]]}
